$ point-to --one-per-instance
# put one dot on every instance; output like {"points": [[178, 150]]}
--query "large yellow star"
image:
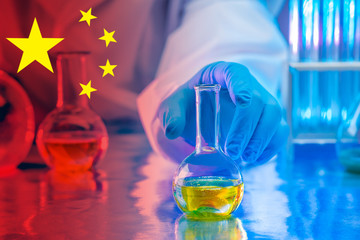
{"points": [[108, 69], [35, 47], [108, 37], [87, 89], [86, 16]]}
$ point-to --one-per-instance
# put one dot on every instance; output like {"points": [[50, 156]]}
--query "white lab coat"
{"points": [[184, 35], [241, 31]]}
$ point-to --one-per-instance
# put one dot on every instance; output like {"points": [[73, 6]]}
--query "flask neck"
{"points": [[207, 117], [71, 71]]}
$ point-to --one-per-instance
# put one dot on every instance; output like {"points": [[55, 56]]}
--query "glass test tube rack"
{"points": [[320, 95]]}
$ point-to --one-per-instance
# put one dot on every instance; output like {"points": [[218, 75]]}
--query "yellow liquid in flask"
{"points": [[208, 197]]}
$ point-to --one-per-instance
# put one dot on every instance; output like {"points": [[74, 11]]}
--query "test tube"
{"points": [[329, 81], [357, 31], [356, 48], [309, 81], [294, 31], [349, 85], [295, 47]]}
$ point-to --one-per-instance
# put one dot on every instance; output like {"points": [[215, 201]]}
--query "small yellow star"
{"points": [[86, 16], [108, 69], [87, 89], [108, 37], [35, 48]]}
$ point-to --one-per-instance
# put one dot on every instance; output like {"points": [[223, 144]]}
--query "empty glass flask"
{"points": [[208, 184], [72, 137], [348, 139]]}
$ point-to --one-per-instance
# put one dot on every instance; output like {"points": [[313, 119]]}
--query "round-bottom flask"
{"points": [[17, 124], [208, 184], [72, 137], [348, 139]]}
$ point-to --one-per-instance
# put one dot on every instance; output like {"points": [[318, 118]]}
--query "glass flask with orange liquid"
{"points": [[208, 184], [72, 137]]}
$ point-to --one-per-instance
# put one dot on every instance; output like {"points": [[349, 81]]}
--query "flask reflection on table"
{"points": [[190, 229], [72, 185]]}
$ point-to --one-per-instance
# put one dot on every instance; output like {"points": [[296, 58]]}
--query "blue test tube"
{"points": [[356, 51], [349, 85], [329, 83], [294, 47], [356, 46], [309, 81], [294, 30]]}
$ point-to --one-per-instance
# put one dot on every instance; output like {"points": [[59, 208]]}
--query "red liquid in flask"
{"points": [[75, 153], [72, 137]]}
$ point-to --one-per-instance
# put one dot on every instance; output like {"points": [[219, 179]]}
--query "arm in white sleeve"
{"points": [[240, 31]]}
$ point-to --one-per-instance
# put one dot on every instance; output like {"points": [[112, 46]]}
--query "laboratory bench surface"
{"points": [[129, 197]]}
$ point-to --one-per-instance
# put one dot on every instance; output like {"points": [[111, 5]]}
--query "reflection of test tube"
{"points": [[328, 89]]}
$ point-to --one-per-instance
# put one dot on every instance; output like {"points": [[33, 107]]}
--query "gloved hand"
{"points": [[250, 117]]}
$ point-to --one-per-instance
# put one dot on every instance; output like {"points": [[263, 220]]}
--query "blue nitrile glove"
{"points": [[250, 117]]}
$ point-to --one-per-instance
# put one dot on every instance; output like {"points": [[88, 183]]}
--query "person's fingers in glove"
{"points": [[254, 123], [247, 96], [242, 128], [174, 114], [265, 129], [275, 143], [234, 77]]}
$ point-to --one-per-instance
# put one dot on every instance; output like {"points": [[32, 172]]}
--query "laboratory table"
{"points": [[307, 196]]}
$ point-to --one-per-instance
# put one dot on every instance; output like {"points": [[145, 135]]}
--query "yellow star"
{"points": [[108, 69], [108, 37], [86, 16], [35, 48], [87, 89]]}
